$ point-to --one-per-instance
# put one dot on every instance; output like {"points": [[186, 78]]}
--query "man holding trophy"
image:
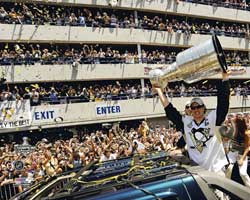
{"points": [[199, 129]]}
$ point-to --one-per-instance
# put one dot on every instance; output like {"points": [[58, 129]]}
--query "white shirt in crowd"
{"points": [[112, 156]]}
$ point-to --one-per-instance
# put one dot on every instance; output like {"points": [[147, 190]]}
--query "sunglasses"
{"points": [[197, 107]]}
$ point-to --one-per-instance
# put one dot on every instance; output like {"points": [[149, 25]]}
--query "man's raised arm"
{"points": [[171, 112], [223, 99]]}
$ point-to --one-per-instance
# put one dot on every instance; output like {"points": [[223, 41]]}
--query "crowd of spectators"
{"points": [[239, 4], [237, 58], [64, 93], [40, 14], [61, 93], [50, 158], [29, 54]]}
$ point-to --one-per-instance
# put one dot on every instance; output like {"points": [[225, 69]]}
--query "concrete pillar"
{"points": [[142, 86]]}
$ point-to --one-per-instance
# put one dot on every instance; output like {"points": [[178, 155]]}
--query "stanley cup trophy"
{"points": [[24, 148], [193, 64]]}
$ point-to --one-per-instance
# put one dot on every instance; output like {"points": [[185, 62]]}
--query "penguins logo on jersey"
{"points": [[200, 137]]}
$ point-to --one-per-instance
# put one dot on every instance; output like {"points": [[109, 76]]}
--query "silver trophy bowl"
{"points": [[192, 65]]}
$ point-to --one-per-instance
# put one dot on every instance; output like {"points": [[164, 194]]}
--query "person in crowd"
{"points": [[241, 128], [143, 129], [243, 162], [235, 137], [242, 137], [187, 110]]}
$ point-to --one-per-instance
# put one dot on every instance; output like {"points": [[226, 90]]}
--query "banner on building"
{"points": [[15, 114]]}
